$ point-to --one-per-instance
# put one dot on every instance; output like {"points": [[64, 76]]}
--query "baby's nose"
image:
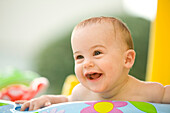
{"points": [[88, 64]]}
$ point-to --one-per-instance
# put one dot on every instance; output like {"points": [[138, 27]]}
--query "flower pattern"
{"points": [[104, 106], [54, 110]]}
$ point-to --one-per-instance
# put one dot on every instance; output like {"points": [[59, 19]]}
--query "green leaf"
{"points": [[2, 104], [144, 106]]}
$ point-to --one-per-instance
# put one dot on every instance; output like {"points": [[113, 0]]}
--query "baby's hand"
{"points": [[34, 104]]}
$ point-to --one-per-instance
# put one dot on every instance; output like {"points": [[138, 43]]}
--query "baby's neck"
{"points": [[117, 90]]}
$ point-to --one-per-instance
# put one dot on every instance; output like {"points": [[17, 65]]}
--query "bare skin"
{"points": [[141, 91], [133, 90], [102, 65]]}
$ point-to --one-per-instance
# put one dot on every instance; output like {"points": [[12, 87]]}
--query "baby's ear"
{"points": [[129, 58]]}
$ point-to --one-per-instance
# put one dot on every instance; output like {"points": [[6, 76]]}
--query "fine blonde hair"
{"points": [[119, 28]]}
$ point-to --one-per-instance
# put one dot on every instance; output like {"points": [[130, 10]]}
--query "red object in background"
{"points": [[21, 92]]}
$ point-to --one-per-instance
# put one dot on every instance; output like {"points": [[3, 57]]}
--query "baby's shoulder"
{"points": [[154, 90], [145, 86], [154, 87], [79, 92], [79, 88]]}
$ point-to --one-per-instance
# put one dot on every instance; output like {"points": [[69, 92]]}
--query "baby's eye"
{"points": [[97, 53], [79, 57]]}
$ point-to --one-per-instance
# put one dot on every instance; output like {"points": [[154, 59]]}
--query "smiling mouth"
{"points": [[93, 76]]}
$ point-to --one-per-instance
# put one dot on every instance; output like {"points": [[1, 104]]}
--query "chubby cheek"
{"points": [[111, 68], [78, 71], [107, 66]]}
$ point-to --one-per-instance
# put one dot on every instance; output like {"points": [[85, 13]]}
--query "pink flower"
{"points": [[104, 106]]}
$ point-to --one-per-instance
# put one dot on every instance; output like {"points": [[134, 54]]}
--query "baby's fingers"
{"points": [[31, 107], [35, 107], [20, 101], [47, 104], [25, 106]]}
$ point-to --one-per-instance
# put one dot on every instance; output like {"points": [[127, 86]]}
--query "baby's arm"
{"points": [[166, 96], [42, 101]]}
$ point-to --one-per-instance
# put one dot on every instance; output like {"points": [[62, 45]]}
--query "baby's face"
{"points": [[98, 57]]}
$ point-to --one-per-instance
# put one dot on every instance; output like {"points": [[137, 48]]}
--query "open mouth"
{"points": [[93, 76]]}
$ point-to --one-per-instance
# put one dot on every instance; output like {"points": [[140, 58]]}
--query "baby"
{"points": [[103, 52]]}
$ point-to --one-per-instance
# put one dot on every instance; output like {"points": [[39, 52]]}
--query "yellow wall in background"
{"points": [[158, 68]]}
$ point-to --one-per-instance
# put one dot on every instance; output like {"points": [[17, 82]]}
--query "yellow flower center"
{"points": [[103, 107]]}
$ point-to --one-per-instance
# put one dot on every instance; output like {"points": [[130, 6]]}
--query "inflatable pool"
{"points": [[103, 106]]}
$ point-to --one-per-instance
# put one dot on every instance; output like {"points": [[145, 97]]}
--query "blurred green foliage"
{"points": [[56, 61], [13, 75]]}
